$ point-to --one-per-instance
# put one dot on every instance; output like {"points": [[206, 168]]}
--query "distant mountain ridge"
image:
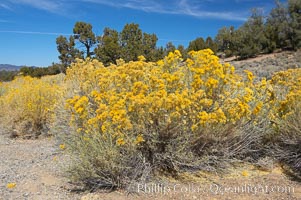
{"points": [[9, 67]]}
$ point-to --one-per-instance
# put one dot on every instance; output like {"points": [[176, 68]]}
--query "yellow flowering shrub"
{"points": [[172, 115], [285, 118], [286, 90], [133, 98], [163, 113], [1, 88], [2, 92], [124, 121], [28, 105]]}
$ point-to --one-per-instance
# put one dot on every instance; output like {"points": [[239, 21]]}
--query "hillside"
{"points": [[8, 67], [266, 65]]}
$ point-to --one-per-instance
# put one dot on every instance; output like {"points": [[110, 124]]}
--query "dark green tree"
{"points": [[7, 75], [67, 51], [27, 71], [131, 39], [130, 43], [250, 40], [83, 33], [270, 36], [54, 69], [197, 44], [149, 46], [225, 40], [159, 53], [279, 23], [294, 10], [170, 47], [108, 49], [210, 43]]}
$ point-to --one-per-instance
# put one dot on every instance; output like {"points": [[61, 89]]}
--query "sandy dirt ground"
{"points": [[36, 168]]}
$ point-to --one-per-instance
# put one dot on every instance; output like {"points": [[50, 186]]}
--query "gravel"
{"points": [[35, 166]]}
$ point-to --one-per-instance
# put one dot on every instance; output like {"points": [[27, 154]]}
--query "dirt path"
{"points": [[34, 165]]}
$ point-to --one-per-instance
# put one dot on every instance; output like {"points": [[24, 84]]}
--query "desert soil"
{"points": [[36, 167]]}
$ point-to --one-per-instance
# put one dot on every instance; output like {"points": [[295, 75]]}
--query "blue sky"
{"points": [[29, 28]]}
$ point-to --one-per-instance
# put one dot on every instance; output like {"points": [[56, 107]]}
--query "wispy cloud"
{"points": [[35, 32], [177, 7], [194, 8], [54, 6], [4, 6]]}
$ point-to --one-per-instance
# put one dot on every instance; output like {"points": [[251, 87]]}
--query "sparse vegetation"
{"points": [[267, 65], [7, 75]]}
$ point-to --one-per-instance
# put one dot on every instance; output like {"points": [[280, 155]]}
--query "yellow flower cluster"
{"points": [[62, 146], [129, 100], [11, 185], [285, 93], [29, 100]]}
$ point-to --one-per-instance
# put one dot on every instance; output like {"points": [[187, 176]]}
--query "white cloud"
{"points": [[176, 7], [192, 8], [4, 6], [54, 6], [188, 8]]}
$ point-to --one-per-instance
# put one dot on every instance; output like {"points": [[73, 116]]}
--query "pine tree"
{"points": [[84, 34]]}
